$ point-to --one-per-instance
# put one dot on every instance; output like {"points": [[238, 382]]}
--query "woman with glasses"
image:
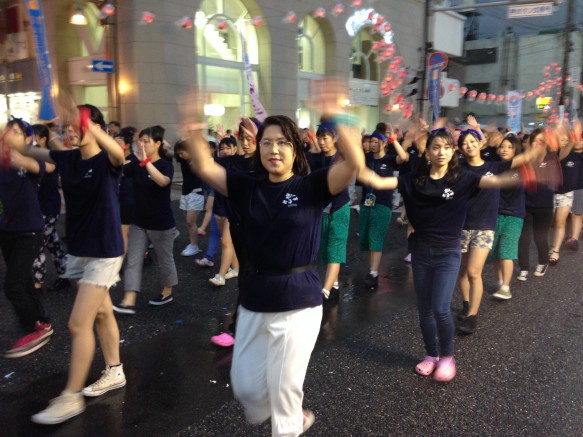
{"points": [[280, 292], [437, 198]]}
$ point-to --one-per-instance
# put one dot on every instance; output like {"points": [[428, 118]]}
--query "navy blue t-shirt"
{"points": [[384, 167], [324, 161], [126, 185], [490, 153], [543, 196], [152, 207], [411, 164], [19, 205], [437, 211], [90, 187], [572, 167], [48, 194], [483, 205], [190, 181], [512, 200], [281, 230]]}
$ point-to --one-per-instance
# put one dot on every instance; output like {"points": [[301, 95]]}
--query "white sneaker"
{"points": [[232, 273], [218, 280], [523, 275], [190, 250], [111, 378], [541, 269], [60, 409], [336, 285]]}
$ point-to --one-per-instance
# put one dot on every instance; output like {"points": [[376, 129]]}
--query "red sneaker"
{"points": [[31, 342]]}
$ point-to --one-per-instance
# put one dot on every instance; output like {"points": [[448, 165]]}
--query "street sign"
{"points": [[530, 10], [102, 66], [437, 59]]}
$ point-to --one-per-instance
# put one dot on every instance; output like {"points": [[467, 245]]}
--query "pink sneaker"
{"points": [[224, 340], [427, 366], [445, 370], [31, 342]]}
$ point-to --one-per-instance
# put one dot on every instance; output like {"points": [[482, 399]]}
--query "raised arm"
{"points": [[17, 143], [158, 177], [107, 144]]}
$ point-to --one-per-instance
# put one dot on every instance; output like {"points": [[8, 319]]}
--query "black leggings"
{"points": [[536, 224]]}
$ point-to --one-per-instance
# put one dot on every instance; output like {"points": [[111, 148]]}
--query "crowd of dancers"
{"points": [[277, 202]]}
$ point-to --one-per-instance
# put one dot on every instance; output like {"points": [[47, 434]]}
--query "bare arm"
{"points": [[55, 143], [108, 144], [18, 160], [507, 179], [371, 179], [402, 155], [203, 164]]}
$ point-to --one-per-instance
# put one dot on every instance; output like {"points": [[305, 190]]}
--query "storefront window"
{"points": [[224, 34]]}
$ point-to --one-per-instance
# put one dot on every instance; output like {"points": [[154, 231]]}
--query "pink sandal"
{"points": [[224, 340], [445, 370], [427, 366]]}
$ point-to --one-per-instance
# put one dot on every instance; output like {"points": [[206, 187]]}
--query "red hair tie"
{"points": [[84, 117]]}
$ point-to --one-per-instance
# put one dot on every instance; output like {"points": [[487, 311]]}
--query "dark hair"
{"points": [[229, 141], [180, 146], [326, 129], [115, 123], [454, 167], [290, 131], [534, 134], [242, 125], [382, 127], [156, 133], [525, 137], [127, 134], [23, 125], [514, 142], [465, 133], [94, 114], [41, 130]]}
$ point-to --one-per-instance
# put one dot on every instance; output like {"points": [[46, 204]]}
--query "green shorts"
{"points": [[334, 236], [372, 227], [508, 230]]}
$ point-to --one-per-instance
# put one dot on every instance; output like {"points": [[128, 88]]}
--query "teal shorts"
{"points": [[508, 230], [334, 236], [373, 223]]}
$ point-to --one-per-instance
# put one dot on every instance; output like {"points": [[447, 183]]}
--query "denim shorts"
{"points": [[103, 272], [192, 202], [562, 200], [477, 239]]}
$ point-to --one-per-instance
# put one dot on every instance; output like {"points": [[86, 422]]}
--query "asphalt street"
{"points": [[520, 374]]}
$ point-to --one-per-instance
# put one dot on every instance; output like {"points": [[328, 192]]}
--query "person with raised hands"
{"points": [[152, 220], [436, 197], [90, 177], [21, 236], [280, 291]]}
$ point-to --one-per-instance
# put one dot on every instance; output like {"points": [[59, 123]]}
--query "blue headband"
{"points": [[379, 136], [28, 127], [327, 127]]}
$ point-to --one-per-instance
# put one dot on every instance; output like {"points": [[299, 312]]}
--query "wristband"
{"points": [[145, 162], [196, 127], [370, 179], [346, 119]]}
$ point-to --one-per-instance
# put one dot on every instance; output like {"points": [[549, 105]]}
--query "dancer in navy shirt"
{"points": [[281, 301]]}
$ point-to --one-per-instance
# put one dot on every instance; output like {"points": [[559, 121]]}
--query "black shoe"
{"points": [[122, 308], [371, 281], [464, 311], [60, 284], [468, 325]]}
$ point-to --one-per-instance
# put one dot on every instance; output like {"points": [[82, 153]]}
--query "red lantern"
{"points": [[222, 25], [356, 3], [463, 90], [399, 98], [320, 13], [472, 94], [257, 21], [337, 9], [452, 87], [147, 17], [108, 10], [482, 96], [290, 17], [387, 27]]}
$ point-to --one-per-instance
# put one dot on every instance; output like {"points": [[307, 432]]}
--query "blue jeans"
{"points": [[214, 240], [435, 270]]}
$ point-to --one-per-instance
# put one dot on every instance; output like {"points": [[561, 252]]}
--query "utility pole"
{"points": [[567, 47], [425, 51]]}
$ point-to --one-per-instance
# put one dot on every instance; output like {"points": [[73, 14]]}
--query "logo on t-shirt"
{"points": [[570, 164], [488, 174], [447, 194], [21, 172], [543, 165], [89, 174], [383, 166], [486, 153], [290, 200]]}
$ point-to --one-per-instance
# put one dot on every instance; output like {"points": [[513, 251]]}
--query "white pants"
{"points": [[270, 359]]}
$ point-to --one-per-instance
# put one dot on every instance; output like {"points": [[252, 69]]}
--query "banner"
{"points": [[435, 90], [260, 113], [37, 20], [514, 111]]}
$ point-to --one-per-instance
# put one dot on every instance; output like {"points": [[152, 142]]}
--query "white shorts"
{"points": [[192, 201], [103, 272], [562, 200]]}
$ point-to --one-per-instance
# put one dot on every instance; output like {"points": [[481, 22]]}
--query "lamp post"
{"points": [[110, 30]]}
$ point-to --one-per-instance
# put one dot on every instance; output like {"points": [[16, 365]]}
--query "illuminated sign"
{"points": [[544, 102]]}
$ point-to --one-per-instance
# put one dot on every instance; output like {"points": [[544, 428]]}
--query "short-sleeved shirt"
{"points": [[483, 205], [572, 167], [190, 181], [410, 165], [152, 206], [437, 209], [512, 200], [126, 185], [280, 225], [490, 153], [90, 187], [324, 161], [19, 205], [543, 196], [48, 194], [384, 167]]}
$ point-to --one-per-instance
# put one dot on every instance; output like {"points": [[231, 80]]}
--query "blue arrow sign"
{"points": [[102, 66]]}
